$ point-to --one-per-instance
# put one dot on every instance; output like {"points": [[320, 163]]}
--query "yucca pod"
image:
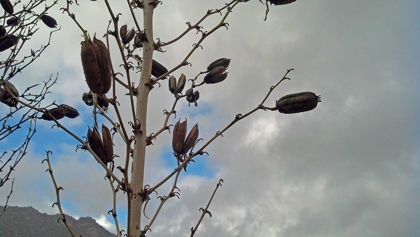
{"points": [[179, 134], [11, 87], [137, 41], [57, 113], [190, 95], [214, 73], [103, 101], [6, 99], [196, 95], [281, 2], [297, 103], [216, 79], [2, 31], [158, 69], [107, 144], [87, 97], [49, 21], [7, 6], [172, 84], [95, 142], [181, 83], [130, 36], [191, 139], [96, 64], [12, 21], [7, 42], [69, 111], [123, 32], [224, 62]]}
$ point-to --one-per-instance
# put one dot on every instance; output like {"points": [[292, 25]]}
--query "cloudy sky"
{"points": [[348, 168]]}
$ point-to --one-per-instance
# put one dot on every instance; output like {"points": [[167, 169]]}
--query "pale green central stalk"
{"points": [[139, 155]]}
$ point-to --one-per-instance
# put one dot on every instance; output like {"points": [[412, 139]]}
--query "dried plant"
{"points": [[135, 48]]}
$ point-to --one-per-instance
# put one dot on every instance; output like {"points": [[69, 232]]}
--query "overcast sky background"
{"points": [[348, 168]]}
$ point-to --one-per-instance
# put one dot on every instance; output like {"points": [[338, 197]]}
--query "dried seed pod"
{"points": [[158, 69], [130, 36], [191, 139], [224, 62], [12, 21], [88, 98], [69, 111], [95, 142], [49, 21], [2, 30], [7, 6], [123, 32], [107, 144], [190, 95], [7, 42], [103, 101], [172, 84], [196, 95], [137, 41], [215, 75], [297, 103], [57, 113], [181, 83], [96, 64], [6, 97], [179, 134], [281, 2]]}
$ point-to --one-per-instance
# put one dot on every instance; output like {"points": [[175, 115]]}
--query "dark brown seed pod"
{"points": [[87, 97], [7, 6], [2, 31], [179, 134], [6, 97], [214, 75], [191, 139], [172, 84], [281, 2], [7, 42], [107, 144], [137, 41], [224, 62], [96, 64], [69, 111], [158, 69], [49, 21], [181, 83], [12, 21], [103, 101], [57, 113], [95, 142], [297, 103], [130, 36], [123, 32]]}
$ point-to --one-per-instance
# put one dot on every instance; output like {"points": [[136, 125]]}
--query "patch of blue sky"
{"points": [[200, 167], [202, 109]]}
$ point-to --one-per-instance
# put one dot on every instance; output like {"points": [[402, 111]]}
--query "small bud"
{"points": [[297, 103]]}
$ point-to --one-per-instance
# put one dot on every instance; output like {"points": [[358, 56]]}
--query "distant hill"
{"points": [[28, 222]]}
